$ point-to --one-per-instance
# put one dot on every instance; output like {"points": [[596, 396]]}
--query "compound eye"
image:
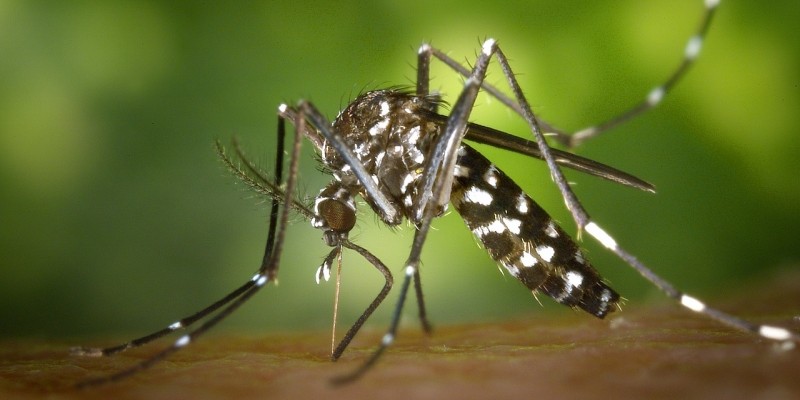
{"points": [[339, 217]]}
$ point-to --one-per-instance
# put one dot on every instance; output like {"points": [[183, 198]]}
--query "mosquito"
{"points": [[393, 149]]}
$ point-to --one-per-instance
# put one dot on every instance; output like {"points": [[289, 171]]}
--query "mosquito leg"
{"points": [[656, 95], [424, 56], [387, 340], [267, 272], [387, 286], [585, 223], [273, 253], [774, 333], [579, 214], [423, 313], [178, 325], [437, 182], [423, 89], [253, 287], [423, 69], [188, 321], [273, 213]]}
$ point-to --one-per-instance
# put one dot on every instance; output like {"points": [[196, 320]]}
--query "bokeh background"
{"points": [[117, 218]]}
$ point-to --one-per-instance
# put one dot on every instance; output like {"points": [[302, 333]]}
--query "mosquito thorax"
{"points": [[390, 134]]}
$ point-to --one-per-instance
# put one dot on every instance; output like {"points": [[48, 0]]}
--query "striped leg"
{"points": [[267, 272], [774, 333], [652, 99]]}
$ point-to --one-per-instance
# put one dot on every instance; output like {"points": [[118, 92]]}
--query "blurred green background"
{"points": [[117, 218]]}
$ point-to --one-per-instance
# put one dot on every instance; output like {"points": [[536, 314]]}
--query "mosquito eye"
{"points": [[338, 216]]}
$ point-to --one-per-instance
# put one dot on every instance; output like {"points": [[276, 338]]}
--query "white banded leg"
{"points": [[769, 332], [653, 98], [267, 272], [692, 50], [437, 183]]}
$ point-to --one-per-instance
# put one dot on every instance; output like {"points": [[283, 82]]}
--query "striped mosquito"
{"points": [[393, 149]]}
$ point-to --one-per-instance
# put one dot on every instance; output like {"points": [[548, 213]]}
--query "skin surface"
{"points": [[656, 351]]}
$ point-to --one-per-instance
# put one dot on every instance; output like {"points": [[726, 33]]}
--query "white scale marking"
{"points": [[387, 339], [513, 225], [590, 131], [410, 177], [361, 150], [655, 96], [522, 204], [379, 128], [692, 303], [183, 341], [693, 47], [319, 201], [604, 238], [579, 257], [574, 280], [527, 259], [413, 135], [490, 176], [488, 46], [418, 157], [497, 226], [551, 230], [176, 326], [479, 196], [461, 170], [774, 332], [604, 298], [546, 252], [324, 270]]}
